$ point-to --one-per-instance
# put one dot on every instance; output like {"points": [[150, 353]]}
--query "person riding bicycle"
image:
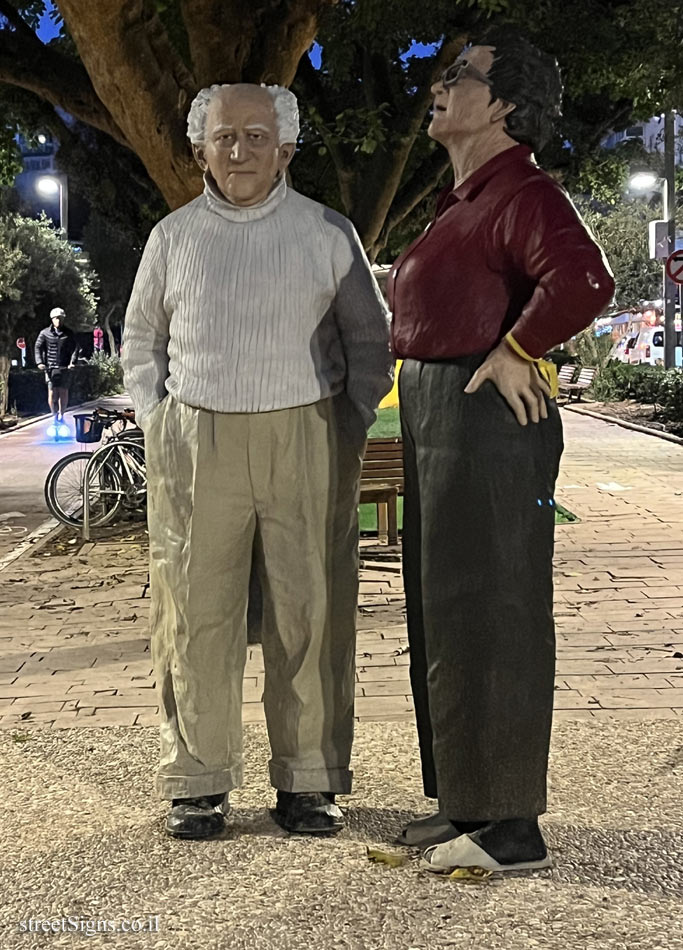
{"points": [[55, 352]]}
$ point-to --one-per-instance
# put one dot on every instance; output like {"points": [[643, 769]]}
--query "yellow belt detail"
{"points": [[547, 369]]}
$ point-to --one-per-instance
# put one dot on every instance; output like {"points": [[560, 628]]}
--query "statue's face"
{"points": [[242, 149], [462, 97]]}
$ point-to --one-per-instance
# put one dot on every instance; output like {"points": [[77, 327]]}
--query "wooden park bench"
{"points": [[566, 374], [576, 389], [381, 482]]}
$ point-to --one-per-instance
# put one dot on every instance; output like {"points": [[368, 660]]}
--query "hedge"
{"points": [[101, 375], [652, 385]]}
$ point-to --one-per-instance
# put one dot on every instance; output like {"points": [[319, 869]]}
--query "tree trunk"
{"points": [[5, 364], [108, 330], [146, 88]]}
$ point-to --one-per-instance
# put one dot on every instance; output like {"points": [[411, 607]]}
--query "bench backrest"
{"points": [[383, 461], [587, 375], [566, 373]]}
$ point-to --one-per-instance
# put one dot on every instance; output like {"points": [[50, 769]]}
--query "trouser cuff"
{"points": [[195, 786], [310, 780]]}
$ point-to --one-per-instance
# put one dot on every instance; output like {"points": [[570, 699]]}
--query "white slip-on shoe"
{"points": [[462, 852], [430, 830]]}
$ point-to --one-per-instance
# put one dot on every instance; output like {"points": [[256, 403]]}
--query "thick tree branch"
{"points": [[621, 112], [383, 176], [423, 182], [285, 30], [143, 83], [310, 88], [249, 40], [29, 64], [219, 44], [377, 85]]}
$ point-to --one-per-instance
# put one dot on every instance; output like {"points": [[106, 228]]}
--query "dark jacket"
{"points": [[55, 347]]}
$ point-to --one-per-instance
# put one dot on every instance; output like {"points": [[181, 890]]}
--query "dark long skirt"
{"points": [[478, 534]]}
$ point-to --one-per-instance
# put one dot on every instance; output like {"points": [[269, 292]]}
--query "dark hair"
{"points": [[530, 79]]}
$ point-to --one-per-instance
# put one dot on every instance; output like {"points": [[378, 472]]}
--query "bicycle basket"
{"points": [[88, 428]]}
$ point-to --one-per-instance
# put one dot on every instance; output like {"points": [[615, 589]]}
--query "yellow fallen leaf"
{"points": [[386, 857], [472, 875]]}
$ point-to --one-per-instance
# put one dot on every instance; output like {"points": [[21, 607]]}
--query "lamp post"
{"points": [[670, 288], [49, 186], [647, 181]]}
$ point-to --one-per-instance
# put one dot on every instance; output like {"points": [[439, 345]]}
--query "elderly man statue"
{"points": [[505, 272], [256, 353]]}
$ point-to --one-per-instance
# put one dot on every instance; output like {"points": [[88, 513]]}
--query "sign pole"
{"points": [[670, 288]]}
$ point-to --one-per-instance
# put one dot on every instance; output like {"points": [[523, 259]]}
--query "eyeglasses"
{"points": [[457, 71]]}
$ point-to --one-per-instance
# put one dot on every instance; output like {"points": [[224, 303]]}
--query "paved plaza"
{"points": [[74, 639], [84, 831]]}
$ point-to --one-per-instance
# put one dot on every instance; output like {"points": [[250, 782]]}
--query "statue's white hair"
{"points": [[286, 111]]}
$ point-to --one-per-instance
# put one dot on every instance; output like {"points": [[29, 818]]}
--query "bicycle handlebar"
{"points": [[127, 415]]}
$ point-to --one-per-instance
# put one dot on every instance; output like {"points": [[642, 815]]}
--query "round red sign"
{"points": [[674, 266]]}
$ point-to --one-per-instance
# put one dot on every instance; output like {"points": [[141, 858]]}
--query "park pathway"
{"points": [[74, 649]]}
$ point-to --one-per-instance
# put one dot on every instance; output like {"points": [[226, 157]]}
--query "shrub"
{"points": [[101, 375], [591, 350], [652, 385]]}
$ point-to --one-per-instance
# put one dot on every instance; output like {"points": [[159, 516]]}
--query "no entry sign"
{"points": [[674, 266], [21, 343]]}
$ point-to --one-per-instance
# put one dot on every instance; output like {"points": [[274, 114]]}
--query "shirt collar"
{"points": [[219, 204], [478, 178]]}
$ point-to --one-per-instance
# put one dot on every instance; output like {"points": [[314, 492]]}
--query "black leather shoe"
{"points": [[197, 817], [308, 813]]}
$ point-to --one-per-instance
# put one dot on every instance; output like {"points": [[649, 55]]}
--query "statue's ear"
{"points": [[501, 108], [285, 155], [200, 157]]}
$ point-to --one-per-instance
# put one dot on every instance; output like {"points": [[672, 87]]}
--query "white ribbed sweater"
{"points": [[253, 309]]}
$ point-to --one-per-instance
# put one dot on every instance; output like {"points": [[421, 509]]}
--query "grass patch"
{"points": [[388, 426], [563, 515]]}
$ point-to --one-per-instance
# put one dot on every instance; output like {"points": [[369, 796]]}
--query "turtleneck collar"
{"points": [[219, 204]]}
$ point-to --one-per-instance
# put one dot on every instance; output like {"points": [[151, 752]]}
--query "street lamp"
{"points": [[643, 181], [49, 186]]}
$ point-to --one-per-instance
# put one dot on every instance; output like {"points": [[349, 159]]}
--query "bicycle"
{"points": [[118, 474]]}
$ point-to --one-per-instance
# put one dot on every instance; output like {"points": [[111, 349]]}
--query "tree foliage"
{"points": [[115, 84], [38, 270], [622, 230]]}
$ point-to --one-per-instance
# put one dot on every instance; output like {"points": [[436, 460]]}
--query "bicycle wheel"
{"points": [[129, 461], [64, 490]]}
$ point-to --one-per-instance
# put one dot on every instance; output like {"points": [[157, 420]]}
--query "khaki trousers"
{"points": [[284, 486]]}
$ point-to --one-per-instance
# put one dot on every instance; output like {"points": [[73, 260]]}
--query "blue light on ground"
{"points": [[58, 431]]}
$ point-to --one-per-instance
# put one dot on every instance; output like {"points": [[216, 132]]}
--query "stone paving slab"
{"points": [[74, 650]]}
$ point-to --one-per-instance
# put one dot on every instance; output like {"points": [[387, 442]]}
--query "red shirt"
{"points": [[507, 251]]}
